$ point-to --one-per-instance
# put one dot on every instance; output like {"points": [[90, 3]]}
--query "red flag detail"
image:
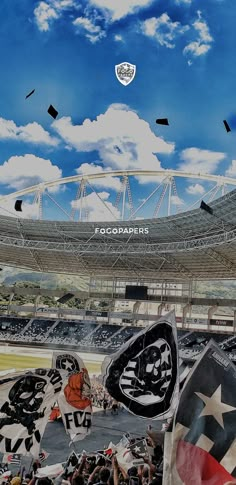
{"points": [[197, 467]]}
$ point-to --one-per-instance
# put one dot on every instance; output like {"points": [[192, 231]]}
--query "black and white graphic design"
{"points": [[25, 405], [143, 374], [67, 362], [75, 397]]}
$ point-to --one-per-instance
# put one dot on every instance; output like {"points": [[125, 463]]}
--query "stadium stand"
{"points": [[105, 338], [70, 332], [37, 330], [102, 337], [119, 339], [11, 327]]}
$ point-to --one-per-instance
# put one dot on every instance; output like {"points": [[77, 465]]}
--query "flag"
{"points": [[110, 450], [3, 467], [50, 471], [75, 397], [139, 448], [127, 460], [202, 446], [43, 455], [143, 373], [12, 458], [25, 404], [73, 459]]}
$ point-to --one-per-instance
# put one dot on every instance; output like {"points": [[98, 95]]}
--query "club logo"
{"points": [[144, 376], [125, 72], [67, 362]]}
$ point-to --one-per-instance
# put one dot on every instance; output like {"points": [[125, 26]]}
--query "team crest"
{"points": [[125, 72], [143, 374], [68, 363]]}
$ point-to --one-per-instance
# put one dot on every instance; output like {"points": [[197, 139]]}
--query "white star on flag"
{"points": [[68, 365], [214, 406], [136, 449], [165, 356]]}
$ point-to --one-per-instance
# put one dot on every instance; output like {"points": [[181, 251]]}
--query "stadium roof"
{"points": [[193, 245]]}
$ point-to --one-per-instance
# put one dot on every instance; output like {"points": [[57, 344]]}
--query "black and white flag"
{"points": [[201, 448], [139, 448], [75, 397], [26, 399], [143, 374]]}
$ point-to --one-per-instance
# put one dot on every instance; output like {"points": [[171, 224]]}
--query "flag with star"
{"points": [[139, 448], [202, 446], [143, 374], [75, 397]]}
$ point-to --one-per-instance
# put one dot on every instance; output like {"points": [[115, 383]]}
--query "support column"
{"points": [[160, 308], [36, 302], [186, 309], [9, 302], [234, 323], [87, 303], [211, 312], [136, 307]]}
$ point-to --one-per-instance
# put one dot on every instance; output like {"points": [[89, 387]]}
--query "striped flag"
{"points": [[43, 455], [13, 459], [202, 445]]}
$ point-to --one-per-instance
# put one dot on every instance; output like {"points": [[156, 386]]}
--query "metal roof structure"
{"points": [[192, 245]]}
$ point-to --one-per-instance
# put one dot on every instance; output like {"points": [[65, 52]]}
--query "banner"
{"points": [[96, 314], [201, 448], [25, 404], [75, 397], [143, 374], [222, 323]]}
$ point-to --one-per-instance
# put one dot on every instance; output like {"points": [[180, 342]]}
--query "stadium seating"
{"points": [[11, 327], [125, 334], [70, 332], [37, 330], [91, 336]]}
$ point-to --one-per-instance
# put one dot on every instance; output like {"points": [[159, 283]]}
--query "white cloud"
{"points": [[120, 8], [163, 30], [186, 2], [47, 12], [23, 171], [195, 189], [31, 133], [44, 15], [122, 139], [93, 32], [199, 161], [104, 182], [118, 38], [204, 40], [231, 171], [96, 209], [29, 210], [176, 200]]}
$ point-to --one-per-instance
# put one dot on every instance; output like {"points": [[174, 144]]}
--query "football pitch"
{"points": [[18, 360]]}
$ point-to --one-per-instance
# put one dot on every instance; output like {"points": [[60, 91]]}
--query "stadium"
{"points": [[117, 242], [123, 266]]}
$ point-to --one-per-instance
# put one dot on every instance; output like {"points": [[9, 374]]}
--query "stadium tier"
{"points": [[100, 337], [193, 245]]}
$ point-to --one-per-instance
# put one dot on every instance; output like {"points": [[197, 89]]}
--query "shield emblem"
{"points": [[125, 72]]}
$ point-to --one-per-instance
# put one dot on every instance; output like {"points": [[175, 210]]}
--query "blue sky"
{"points": [[67, 51]]}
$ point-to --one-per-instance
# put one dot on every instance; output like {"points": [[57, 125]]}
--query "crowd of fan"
{"points": [[101, 398], [98, 468], [91, 335]]}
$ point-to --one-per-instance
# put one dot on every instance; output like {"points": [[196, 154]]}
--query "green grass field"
{"points": [[18, 362]]}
